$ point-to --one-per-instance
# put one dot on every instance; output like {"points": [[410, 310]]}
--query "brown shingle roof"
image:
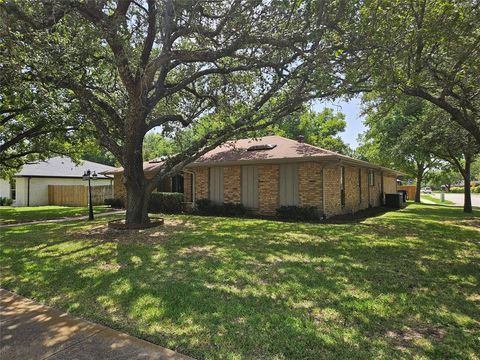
{"points": [[236, 152]]}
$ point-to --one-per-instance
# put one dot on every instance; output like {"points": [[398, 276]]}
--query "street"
{"points": [[458, 198]]}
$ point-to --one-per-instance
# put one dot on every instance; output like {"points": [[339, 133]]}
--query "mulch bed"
{"points": [[122, 225]]}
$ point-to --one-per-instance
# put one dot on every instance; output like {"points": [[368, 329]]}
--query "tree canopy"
{"points": [[36, 121], [132, 66], [316, 128], [396, 137], [426, 49]]}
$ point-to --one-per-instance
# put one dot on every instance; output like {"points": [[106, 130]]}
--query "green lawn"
{"points": [[436, 200], [405, 284], [12, 215]]}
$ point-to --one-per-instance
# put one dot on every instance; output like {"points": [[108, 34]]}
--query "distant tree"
{"points": [[395, 138], [156, 145], [453, 144], [445, 175], [315, 128], [476, 169], [132, 66], [95, 153]]}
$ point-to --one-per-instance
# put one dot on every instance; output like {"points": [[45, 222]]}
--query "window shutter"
{"points": [[216, 184], [250, 186], [288, 184]]}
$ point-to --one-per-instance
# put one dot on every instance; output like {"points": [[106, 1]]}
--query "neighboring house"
{"points": [[29, 187], [266, 173]]}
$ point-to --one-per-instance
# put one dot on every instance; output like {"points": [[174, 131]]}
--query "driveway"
{"points": [[34, 331], [457, 199]]}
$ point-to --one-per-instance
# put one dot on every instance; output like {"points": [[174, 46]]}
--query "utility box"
{"points": [[394, 201], [404, 195]]}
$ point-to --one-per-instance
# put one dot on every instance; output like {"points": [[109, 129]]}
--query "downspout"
{"points": [[28, 191], [323, 191], [382, 189], [368, 188]]}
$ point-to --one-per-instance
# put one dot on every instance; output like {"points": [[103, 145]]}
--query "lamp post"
{"points": [[87, 175]]}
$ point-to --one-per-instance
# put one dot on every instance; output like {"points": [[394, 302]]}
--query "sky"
{"points": [[352, 110]]}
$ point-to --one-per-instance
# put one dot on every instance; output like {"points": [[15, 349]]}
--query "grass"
{"points": [[436, 200], [401, 285], [13, 215]]}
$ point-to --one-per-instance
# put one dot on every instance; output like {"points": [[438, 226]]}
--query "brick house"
{"points": [[266, 173]]}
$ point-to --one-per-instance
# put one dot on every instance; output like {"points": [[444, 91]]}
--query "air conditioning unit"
{"points": [[394, 201]]}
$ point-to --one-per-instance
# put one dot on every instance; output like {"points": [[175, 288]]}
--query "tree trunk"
{"points": [[135, 182], [467, 202], [137, 204], [419, 184]]}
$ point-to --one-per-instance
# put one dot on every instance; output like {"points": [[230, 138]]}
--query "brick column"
{"points": [[201, 183], [331, 178], [268, 181], [187, 187], [231, 184], [310, 190], [119, 190]]}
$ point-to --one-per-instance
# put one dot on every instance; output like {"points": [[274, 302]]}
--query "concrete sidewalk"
{"points": [[32, 331], [71, 218]]}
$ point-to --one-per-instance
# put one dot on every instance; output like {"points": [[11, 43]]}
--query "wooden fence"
{"points": [[77, 195], [410, 190]]}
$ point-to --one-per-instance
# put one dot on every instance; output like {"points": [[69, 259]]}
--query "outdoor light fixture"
{"points": [[87, 175]]}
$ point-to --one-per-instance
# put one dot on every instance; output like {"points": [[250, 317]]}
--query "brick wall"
{"points": [[370, 196], [375, 190], [310, 184], [390, 184], [364, 203], [268, 183], [331, 183], [201, 183], [231, 184], [119, 190], [352, 190], [187, 187]]}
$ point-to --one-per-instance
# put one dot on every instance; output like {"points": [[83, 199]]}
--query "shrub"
{"points": [[231, 209], [116, 203], [4, 201], [165, 202], [298, 213], [207, 207], [456, 189]]}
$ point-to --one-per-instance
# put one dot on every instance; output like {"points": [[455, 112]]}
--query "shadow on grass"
{"points": [[402, 284]]}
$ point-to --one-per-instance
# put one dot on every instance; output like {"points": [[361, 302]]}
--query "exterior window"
{"points": [[288, 185], [177, 184], [360, 186], [371, 178], [13, 190], [216, 184], [250, 186], [164, 185], [342, 186]]}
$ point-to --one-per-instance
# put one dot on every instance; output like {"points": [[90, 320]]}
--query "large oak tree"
{"points": [[228, 66], [36, 122], [426, 49]]}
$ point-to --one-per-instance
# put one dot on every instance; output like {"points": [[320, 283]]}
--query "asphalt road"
{"points": [[458, 199]]}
